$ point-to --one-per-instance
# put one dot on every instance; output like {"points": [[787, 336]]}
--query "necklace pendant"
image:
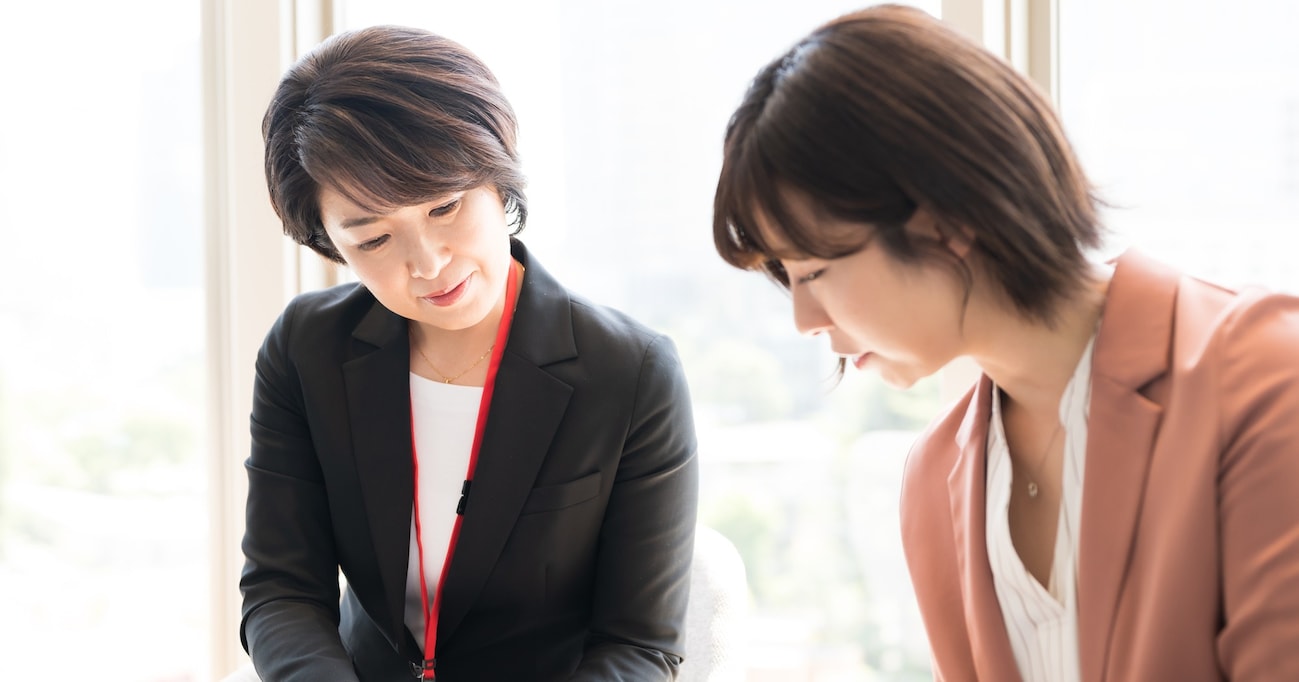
{"points": [[1032, 490]]}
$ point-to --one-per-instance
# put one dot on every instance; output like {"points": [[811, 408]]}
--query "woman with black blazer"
{"points": [[504, 473]]}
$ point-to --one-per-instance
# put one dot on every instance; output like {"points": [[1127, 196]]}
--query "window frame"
{"points": [[246, 45]]}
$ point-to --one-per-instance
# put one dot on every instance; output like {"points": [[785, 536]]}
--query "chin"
{"points": [[901, 378], [899, 383]]}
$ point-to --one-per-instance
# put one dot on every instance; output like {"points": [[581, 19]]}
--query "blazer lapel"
{"points": [[378, 403], [527, 406], [967, 490], [1132, 349]]}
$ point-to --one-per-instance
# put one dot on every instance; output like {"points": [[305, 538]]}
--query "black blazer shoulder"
{"points": [[576, 539]]}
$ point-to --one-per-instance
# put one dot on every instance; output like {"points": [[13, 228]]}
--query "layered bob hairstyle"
{"points": [[388, 117], [887, 110]]}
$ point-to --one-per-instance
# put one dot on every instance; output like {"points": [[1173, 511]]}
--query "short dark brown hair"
{"points": [[887, 110], [387, 116]]}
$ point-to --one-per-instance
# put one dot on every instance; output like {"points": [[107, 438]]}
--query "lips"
{"points": [[449, 296], [857, 360]]}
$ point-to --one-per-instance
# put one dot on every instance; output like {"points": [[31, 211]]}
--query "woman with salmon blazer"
{"points": [[1117, 496]]}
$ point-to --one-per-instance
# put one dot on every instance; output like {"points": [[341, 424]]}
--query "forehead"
{"points": [[339, 210], [336, 204]]}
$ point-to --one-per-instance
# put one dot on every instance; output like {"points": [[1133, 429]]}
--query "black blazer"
{"points": [[573, 560]]}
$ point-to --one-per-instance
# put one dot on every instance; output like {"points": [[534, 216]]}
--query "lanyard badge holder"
{"points": [[427, 669]]}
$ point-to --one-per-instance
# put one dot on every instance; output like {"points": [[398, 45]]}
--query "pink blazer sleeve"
{"points": [[1258, 493]]}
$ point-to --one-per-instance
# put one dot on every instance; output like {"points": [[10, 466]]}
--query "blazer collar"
{"points": [[990, 643], [527, 406], [1131, 351]]}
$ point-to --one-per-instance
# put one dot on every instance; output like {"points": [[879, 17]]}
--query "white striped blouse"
{"points": [[1042, 623]]}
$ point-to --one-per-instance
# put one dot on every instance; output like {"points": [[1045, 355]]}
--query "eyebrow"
{"points": [[359, 222]]}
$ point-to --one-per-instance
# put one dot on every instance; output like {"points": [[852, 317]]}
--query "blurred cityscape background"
{"points": [[1186, 114]]}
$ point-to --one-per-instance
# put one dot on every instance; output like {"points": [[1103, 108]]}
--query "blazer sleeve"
{"points": [[647, 538], [1258, 491], [290, 577]]}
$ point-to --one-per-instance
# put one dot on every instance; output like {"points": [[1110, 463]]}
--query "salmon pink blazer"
{"points": [[1188, 565]]}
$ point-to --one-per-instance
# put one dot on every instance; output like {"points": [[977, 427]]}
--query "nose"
{"points": [[428, 255], [810, 317]]}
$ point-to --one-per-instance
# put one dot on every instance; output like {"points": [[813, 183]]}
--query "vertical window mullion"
{"points": [[243, 57], [1024, 32], [1042, 35], [983, 20]]}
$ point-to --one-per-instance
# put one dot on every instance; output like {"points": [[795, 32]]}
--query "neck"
{"points": [[438, 342], [455, 355], [1032, 361]]}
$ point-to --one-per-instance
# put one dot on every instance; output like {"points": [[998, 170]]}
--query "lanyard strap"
{"points": [[427, 670]]}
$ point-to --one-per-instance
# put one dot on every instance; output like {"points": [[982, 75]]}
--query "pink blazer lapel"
{"points": [[993, 657], [1131, 350]]}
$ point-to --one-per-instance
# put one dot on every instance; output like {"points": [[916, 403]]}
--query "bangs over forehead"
{"points": [[888, 109], [381, 157], [761, 217], [784, 180], [749, 198], [387, 116]]}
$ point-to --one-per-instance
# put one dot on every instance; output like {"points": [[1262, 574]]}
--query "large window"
{"points": [[1186, 115], [103, 508], [129, 333]]}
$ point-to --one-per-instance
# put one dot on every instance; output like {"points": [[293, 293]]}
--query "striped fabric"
{"points": [[1042, 623]]}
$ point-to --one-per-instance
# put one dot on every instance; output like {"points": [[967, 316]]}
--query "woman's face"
{"points": [[442, 263], [903, 320]]}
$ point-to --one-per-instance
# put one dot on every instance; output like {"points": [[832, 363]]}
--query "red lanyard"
{"points": [[431, 610]]}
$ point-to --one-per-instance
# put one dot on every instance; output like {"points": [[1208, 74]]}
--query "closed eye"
{"points": [[445, 209], [373, 243], [811, 276]]}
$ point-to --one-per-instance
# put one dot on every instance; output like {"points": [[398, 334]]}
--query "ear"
{"points": [[958, 239]]}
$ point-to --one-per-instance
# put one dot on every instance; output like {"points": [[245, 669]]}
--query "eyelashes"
{"points": [[373, 243], [440, 211], [811, 276], [445, 209]]}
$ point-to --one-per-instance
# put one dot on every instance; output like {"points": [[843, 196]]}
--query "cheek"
{"points": [[908, 316], [360, 270], [379, 278], [942, 323]]}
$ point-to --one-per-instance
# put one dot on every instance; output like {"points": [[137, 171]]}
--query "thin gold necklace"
{"points": [[446, 379], [1041, 459]]}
